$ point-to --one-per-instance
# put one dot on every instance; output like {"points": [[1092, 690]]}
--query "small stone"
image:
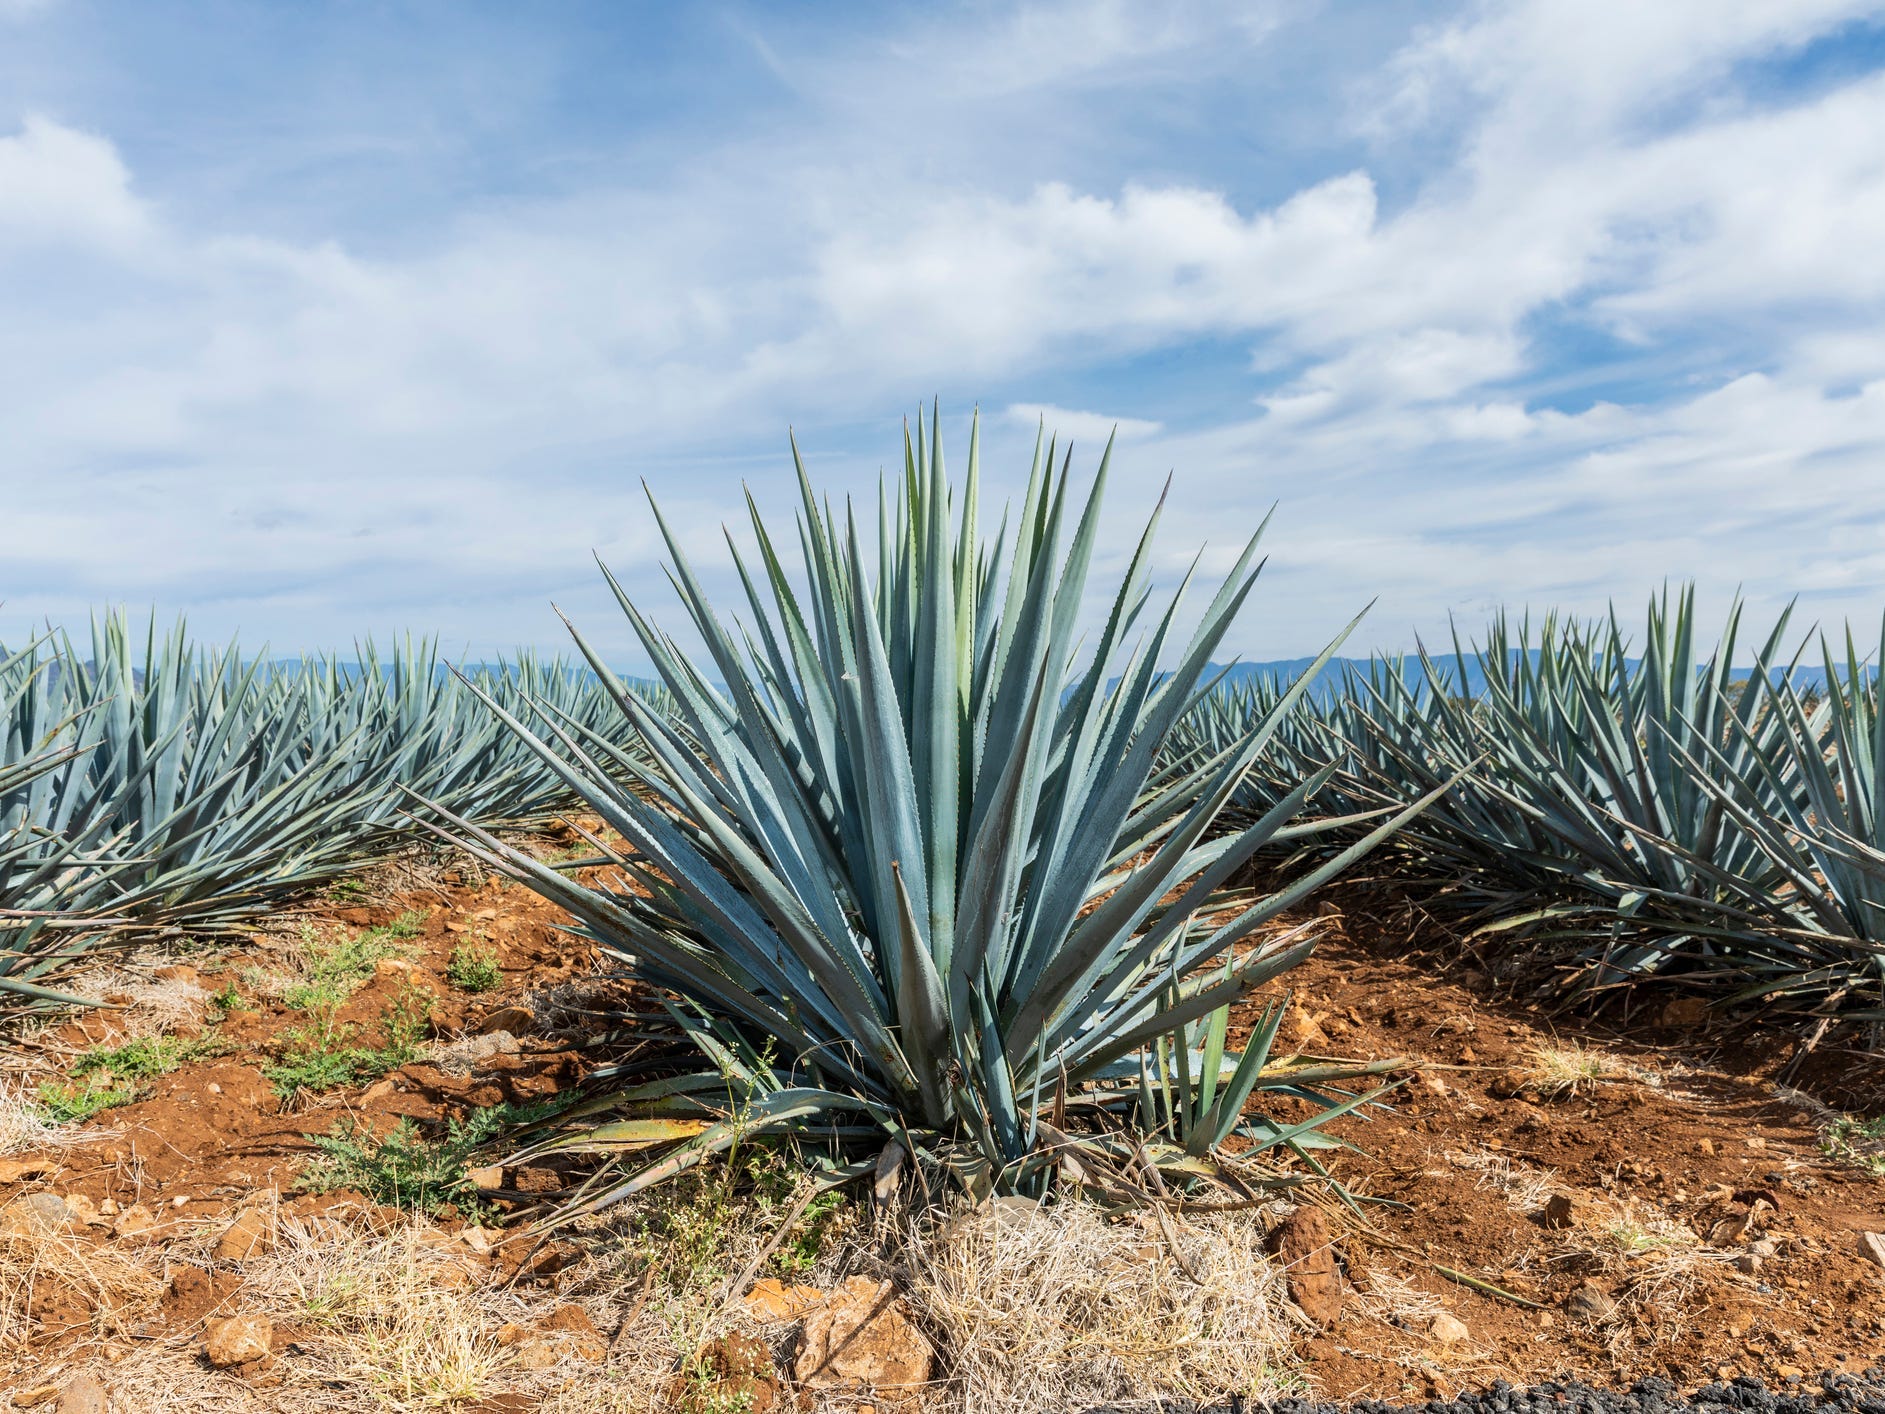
{"points": [[538, 1354], [509, 1334], [1748, 1263], [83, 1394], [238, 1340], [133, 1220], [1302, 1243], [1559, 1213], [36, 1213], [1685, 1013], [250, 1235], [108, 1207], [181, 1200], [33, 1398], [1705, 1147], [515, 1019], [863, 1337], [1790, 1372], [1590, 1302], [30, 1166], [1448, 1329], [491, 1176]]}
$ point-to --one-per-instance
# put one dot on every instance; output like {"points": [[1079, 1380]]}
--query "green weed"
{"points": [[65, 1102], [1858, 1142], [145, 1058], [405, 1169], [326, 1053], [473, 967]]}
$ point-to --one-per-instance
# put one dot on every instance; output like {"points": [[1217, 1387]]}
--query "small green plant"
{"points": [[347, 890], [145, 1058], [65, 1102], [405, 1169], [336, 966], [693, 1231], [326, 1053], [1858, 1142], [228, 999], [473, 967], [406, 1020]]}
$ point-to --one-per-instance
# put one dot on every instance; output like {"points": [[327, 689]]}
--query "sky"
{"points": [[358, 318]]}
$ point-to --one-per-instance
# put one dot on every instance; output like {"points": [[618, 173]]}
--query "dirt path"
{"points": [[1707, 1233]]}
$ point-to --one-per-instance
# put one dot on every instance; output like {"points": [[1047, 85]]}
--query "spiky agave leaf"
{"points": [[913, 841], [183, 784]]}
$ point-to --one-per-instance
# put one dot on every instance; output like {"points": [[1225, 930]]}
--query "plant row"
{"points": [[147, 781], [1620, 806]]}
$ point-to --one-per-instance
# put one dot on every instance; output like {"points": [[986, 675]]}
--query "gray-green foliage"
{"points": [[160, 782], [1630, 806], [919, 843]]}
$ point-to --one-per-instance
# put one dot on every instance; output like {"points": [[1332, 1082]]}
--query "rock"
{"points": [[773, 1302], [509, 1334], [569, 1317], [393, 968], [1448, 1329], [36, 1214], [538, 1354], [1559, 1213], [491, 1176], [1590, 1302], [1306, 1250], [536, 1180], [862, 1337], [990, 1218], [515, 1019], [83, 1394], [1748, 1263], [33, 1398], [178, 972], [84, 1211], [237, 1340], [1685, 1013], [1872, 1247], [133, 1220], [250, 1235], [26, 1167]]}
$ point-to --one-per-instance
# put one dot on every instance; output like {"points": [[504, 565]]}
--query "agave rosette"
{"points": [[917, 848]]}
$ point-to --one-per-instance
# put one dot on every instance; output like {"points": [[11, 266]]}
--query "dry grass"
{"points": [[391, 1314], [53, 1279], [1524, 1188], [1559, 1071], [25, 1126], [1070, 1309]]}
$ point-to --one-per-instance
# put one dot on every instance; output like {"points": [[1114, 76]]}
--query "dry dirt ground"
{"points": [[1545, 1198]]}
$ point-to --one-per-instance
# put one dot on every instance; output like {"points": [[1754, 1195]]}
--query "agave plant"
{"points": [[916, 848], [183, 785]]}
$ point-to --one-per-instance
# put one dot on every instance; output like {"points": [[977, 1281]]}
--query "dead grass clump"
{"points": [[25, 1125], [1069, 1308], [392, 1312], [1524, 1188], [1559, 1071]]}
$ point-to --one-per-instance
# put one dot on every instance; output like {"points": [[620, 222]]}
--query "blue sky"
{"points": [[345, 318]]}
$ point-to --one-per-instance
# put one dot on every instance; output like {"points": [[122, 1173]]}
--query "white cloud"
{"points": [[437, 429], [1085, 428], [58, 184]]}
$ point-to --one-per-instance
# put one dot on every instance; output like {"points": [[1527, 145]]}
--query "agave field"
{"points": [[947, 866]]}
